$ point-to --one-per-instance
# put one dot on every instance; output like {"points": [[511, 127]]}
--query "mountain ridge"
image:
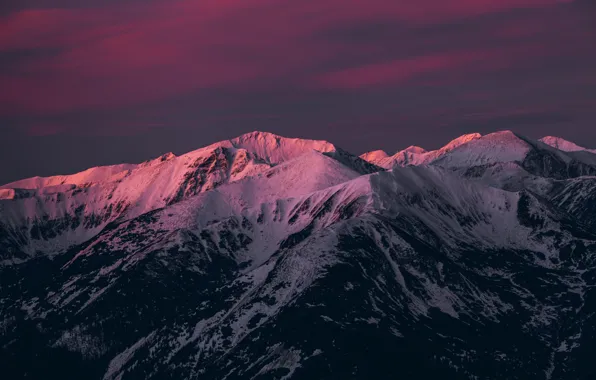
{"points": [[266, 257], [74, 207], [262, 142], [564, 145]]}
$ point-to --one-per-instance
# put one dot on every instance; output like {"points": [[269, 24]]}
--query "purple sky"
{"points": [[91, 82]]}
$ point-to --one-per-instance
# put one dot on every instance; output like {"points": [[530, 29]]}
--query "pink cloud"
{"points": [[398, 71], [458, 64], [114, 57]]}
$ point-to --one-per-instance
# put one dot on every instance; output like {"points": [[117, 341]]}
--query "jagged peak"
{"points": [[276, 149], [499, 137], [415, 149], [166, 157], [156, 161], [269, 137], [257, 135], [504, 135], [267, 146], [374, 155], [463, 139], [561, 144]]}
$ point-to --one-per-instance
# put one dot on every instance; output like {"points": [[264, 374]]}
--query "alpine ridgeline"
{"points": [[264, 257]]}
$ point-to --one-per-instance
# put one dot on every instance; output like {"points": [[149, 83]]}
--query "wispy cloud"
{"points": [[134, 53]]}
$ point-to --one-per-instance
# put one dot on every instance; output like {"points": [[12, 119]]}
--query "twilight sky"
{"points": [[92, 82]]}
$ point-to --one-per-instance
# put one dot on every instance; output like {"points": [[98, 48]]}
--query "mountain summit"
{"points": [[474, 152], [266, 257], [564, 145]]}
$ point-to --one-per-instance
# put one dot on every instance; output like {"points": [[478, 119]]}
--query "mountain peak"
{"points": [[374, 155], [257, 135], [168, 156], [156, 161], [415, 155], [463, 139], [561, 144], [504, 134], [475, 150], [415, 149], [276, 149]]}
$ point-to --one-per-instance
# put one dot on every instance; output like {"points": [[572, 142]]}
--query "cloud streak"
{"points": [[122, 55]]}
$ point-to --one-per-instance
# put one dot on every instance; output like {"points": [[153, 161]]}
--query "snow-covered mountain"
{"points": [[564, 145], [415, 155], [54, 213], [264, 257]]}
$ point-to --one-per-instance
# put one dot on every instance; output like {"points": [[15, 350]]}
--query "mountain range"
{"points": [[266, 257]]}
